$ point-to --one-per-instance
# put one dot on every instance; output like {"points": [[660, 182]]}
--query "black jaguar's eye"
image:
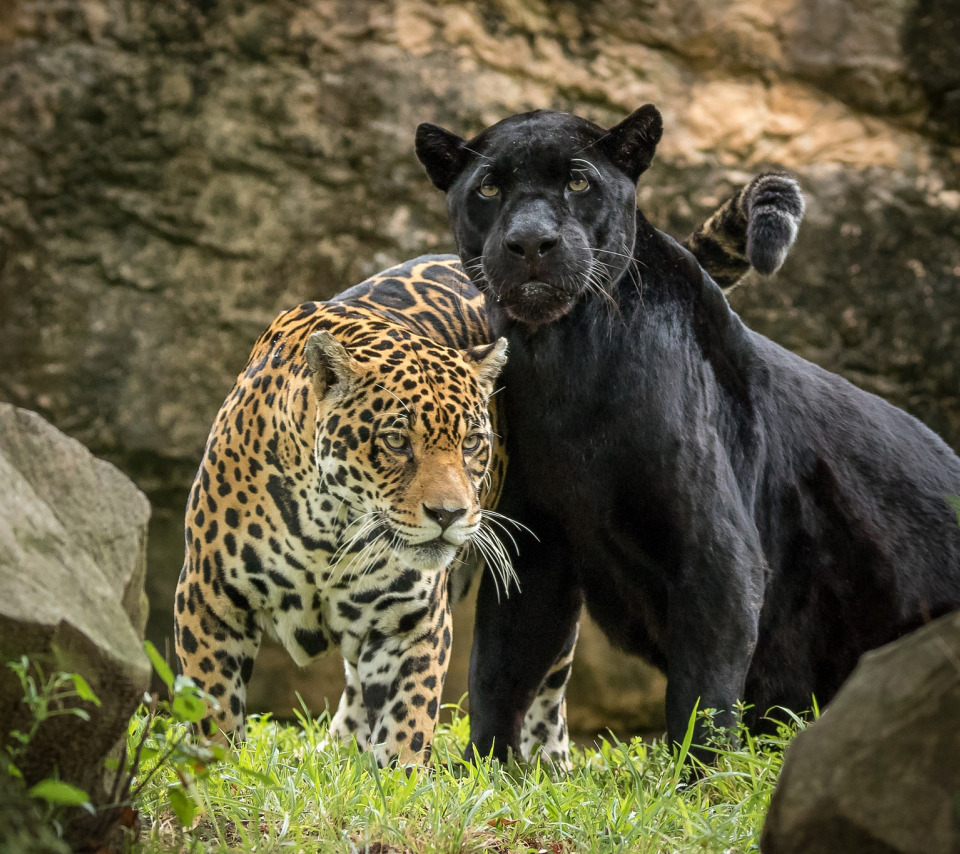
{"points": [[489, 191], [578, 183], [396, 440], [472, 443]]}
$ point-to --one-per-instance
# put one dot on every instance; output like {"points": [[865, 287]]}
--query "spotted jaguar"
{"points": [[347, 495]]}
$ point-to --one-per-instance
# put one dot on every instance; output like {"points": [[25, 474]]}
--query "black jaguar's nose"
{"points": [[443, 517], [531, 243]]}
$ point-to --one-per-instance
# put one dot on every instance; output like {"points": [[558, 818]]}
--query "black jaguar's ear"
{"points": [[489, 359], [442, 153], [631, 144], [331, 366]]}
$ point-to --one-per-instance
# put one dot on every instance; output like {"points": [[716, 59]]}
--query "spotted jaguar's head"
{"points": [[542, 204], [403, 442]]}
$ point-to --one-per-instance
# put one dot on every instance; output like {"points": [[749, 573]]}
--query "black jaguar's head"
{"points": [[542, 204]]}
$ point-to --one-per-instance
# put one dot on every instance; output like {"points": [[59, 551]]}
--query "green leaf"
{"points": [[148, 753], [161, 666], [954, 502], [83, 689], [183, 806], [60, 793], [188, 708]]}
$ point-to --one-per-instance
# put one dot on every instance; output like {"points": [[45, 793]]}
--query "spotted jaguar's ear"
{"points": [[631, 144], [489, 360], [442, 153], [331, 366]]}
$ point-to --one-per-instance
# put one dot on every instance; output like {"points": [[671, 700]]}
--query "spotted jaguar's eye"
{"points": [[472, 443], [489, 191], [396, 440], [578, 183]]}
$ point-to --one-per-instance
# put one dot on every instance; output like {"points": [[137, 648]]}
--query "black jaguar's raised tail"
{"points": [[756, 227]]}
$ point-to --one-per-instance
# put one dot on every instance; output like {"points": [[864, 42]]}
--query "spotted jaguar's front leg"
{"points": [[350, 720], [401, 678], [545, 731], [216, 645]]}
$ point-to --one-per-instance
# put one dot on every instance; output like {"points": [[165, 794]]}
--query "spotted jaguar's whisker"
{"points": [[395, 544], [486, 482], [367, 523], [497, 559], [481, 545], [502, 521], [394, 395], [371, 557]]}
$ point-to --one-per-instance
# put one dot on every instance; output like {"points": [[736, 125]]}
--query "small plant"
{"points": [[161, 735], [164, 734], [48, 697]]}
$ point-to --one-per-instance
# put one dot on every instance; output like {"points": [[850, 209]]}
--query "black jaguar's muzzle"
{"points": [[536, 302]]}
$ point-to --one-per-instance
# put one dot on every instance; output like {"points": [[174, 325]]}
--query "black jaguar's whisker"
{"points": [[475, 263], [595, 283], [617, 254], [632, 269], [482, 156], [582, 160]]}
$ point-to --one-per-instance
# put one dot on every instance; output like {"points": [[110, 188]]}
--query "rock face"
{"points": [[173, 174], [879, 773], [72, 565]]}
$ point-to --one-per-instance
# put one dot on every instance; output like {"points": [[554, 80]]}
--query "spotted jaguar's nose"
{"points": [[442, 516]]}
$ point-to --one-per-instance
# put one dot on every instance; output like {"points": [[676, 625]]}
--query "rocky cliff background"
{"points": [[174, 174]]}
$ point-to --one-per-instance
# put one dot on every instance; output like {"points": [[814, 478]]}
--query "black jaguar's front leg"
{"points": [[713, 623], [516, 641]]}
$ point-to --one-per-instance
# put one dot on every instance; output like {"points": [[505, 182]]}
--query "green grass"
{"points": [[286, 789]]}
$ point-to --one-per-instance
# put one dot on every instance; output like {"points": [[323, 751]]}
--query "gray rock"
{"points": [[879, 773], [72, 564]]}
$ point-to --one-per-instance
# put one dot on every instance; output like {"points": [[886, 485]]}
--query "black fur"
{"points": [[741, 518]]}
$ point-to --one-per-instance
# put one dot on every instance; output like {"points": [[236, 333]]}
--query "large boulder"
{"points": [[879, 773], [174, 173], [72, 565]]}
